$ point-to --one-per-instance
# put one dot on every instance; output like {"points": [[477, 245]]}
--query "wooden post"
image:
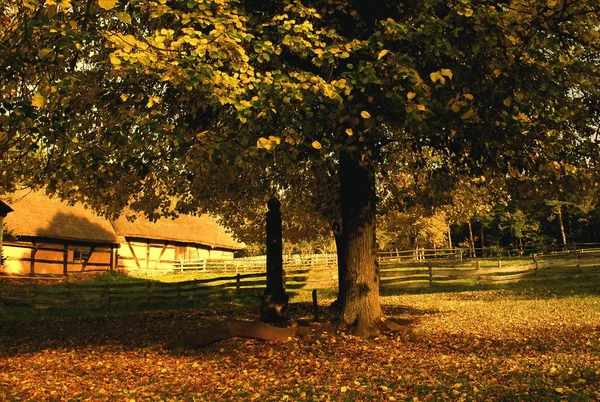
{"points": [[107, 292], [66, 260], [274, 306], [430, 274], [499, 263], [238, 279], [147, 255], [32, 265]]}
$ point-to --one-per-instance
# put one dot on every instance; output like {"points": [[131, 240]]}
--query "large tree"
{"points": [[212, 103]]}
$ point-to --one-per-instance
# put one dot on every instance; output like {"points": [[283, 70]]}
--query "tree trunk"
{"points": [[449, 238], [361, 309], [274, 305], [471, 239], [562, 227], [481, 239], [341, 256]]}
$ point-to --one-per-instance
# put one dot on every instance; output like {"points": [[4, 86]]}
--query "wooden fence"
{"points": [[393, 274]]}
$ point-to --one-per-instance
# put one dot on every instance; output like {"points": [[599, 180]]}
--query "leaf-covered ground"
{"points": [[503, 344]]}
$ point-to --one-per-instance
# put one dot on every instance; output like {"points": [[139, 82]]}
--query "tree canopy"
{"points": [[215, 103]]}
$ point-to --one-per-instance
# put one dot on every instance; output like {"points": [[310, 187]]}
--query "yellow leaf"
{"points": [[317, 145], [468, 114], [559, 390], [75, 140], [468, 12], [264, 143], [115, 60], [124, 17], [124, 97], [349, 131], [382, 53], [365, 115], [447, 72], [38, 100], [343, 389], [468, 96], [411, 95], [497, 72], [421, 107], [107, 4], [507, 102], [435, 76]]}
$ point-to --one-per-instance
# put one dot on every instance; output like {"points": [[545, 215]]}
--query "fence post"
{"points": [[430, 274], [499, 263], [238, 279], [107, 292]]}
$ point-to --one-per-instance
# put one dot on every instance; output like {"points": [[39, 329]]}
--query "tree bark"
{"points": [[274, 306], [562, 227], [341, 256], [471, 239], [232, 329], [481, 239], [361, 309]]}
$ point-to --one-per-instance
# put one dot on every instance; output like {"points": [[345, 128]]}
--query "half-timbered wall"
{"points": [[151, 256], [47, 257]]}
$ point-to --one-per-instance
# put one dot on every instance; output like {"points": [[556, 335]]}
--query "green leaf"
{"points": [[124, 17]]}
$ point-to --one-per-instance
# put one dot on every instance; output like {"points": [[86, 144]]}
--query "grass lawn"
{"points": [[537, 341]]}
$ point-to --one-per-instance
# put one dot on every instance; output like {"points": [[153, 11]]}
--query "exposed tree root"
{"points": [[235, 328], [266, 332]]}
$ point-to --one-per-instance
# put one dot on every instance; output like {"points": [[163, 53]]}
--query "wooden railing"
{"points": [[393, 274]]}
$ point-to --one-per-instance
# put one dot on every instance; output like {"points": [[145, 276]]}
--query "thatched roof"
{"points": [[37, 215], [185, 228]]}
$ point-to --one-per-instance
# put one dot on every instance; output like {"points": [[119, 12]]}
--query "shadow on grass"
{"points": [[564, 286]]}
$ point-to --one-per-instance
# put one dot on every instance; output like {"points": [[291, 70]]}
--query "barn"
{"points": [[46, 236]]}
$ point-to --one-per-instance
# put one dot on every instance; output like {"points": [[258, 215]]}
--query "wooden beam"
{"points": [[87, 259], [148, 255], [66, 259], [162, 252], [32, 265], [137, 262], [112, 259]]}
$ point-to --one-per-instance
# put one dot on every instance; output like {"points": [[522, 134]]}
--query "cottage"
{"points": [[47, 236], [154, 246]]}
